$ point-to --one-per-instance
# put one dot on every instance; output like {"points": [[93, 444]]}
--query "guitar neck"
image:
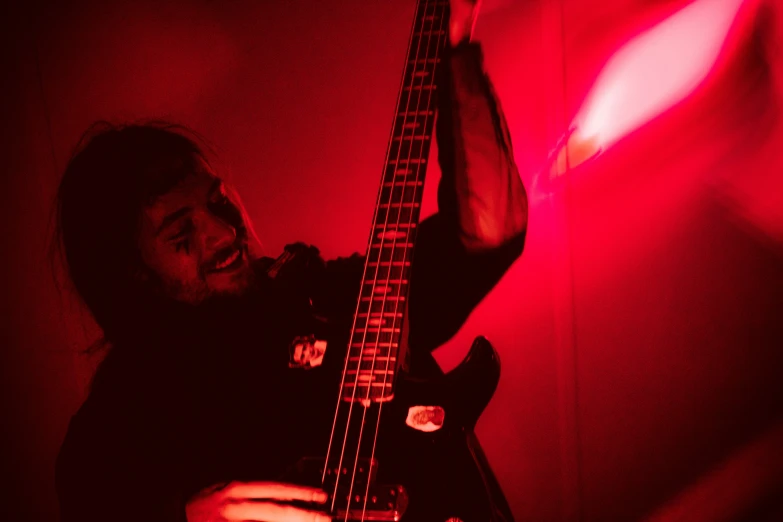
{"points": [[374, 347]]}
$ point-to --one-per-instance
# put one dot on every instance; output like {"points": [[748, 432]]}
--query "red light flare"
{"points": [[653, 72]]}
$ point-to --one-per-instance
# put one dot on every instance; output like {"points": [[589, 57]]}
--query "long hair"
{"points": [[114, 172]]}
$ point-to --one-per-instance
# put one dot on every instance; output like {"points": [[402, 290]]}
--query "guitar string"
{"points": [[422, 9], [420, 173], [340, 401]]}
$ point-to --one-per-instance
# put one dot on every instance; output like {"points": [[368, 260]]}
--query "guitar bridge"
{"points": [[367, 500], [381, 504]]}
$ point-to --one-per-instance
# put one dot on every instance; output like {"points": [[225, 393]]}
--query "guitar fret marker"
{"points": [[396, 225], [416, 113], [398, 205], [414, 161], [391, 234], [379, 245], [423, 138]]}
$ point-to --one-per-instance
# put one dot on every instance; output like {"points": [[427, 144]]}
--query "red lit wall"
{"points": [[641, 331]]}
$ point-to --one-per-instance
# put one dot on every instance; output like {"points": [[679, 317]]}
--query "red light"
{"points": [[651, 73]]}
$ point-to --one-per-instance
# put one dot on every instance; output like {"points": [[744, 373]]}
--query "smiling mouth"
{"points": [[227, 263]]}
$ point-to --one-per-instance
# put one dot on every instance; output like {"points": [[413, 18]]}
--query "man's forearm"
{"points": [[481, 189]]}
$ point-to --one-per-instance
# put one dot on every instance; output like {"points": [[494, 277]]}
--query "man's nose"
{"points": [[217, 233]]}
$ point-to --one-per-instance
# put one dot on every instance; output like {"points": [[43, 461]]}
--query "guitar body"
{"points": [[425, 451], [444, 471]]}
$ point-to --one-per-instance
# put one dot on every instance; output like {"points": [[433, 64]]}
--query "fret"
{"points": [[414, 98], [404, 184], [395, 173], [356, 352], [404, 172], [416, 113], [420, 87], [430, 23], [384, 298], [379, 287], [374, 371], [395, 236], [397, 205], [424, 61], [411, 161], [409, 149], [369, 348], [414, 123], [392, 246], [373, 391], [404, 192], [383, 287], [410, 137], [374, 344], [377, 329], [377, 319], [371, 339], [378, 349], [388, 281], [406, 214], [370, 376], [386, 271], [385, 290], [392, 234], [389, 253], [426, 45], [392, 226], [381, 306], [364, 364], [418, 75], [436, 33]]}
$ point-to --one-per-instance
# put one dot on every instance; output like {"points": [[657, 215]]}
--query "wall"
{"points": [[641, 330]]}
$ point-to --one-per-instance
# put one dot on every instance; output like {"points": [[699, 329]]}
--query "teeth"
{"points": [[228, 261]]}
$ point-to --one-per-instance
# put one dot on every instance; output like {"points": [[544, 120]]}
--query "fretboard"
{"points": [[377, 330]]}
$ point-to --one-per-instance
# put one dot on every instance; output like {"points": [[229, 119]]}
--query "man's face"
{"points": [[193, 238]]}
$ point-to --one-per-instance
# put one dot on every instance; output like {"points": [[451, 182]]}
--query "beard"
{"points": [[169, 343], [227, 337]]}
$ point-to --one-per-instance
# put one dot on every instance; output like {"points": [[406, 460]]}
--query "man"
{"points": [[159, 249]]}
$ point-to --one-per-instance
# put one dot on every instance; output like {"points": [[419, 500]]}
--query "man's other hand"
{"points": [[463, 18], [256, 502]]}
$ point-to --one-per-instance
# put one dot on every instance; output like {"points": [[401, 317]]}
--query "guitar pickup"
{"points": [[383, 504], [310, 470]]}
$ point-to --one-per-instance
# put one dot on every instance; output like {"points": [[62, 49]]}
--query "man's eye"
{"points": [[182, 244]]}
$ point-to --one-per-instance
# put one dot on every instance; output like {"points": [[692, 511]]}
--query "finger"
{"points": [[275, 491], [268, 512]]}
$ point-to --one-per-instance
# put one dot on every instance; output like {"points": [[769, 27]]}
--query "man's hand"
{"points": [[255, 502], [463, 18]]}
